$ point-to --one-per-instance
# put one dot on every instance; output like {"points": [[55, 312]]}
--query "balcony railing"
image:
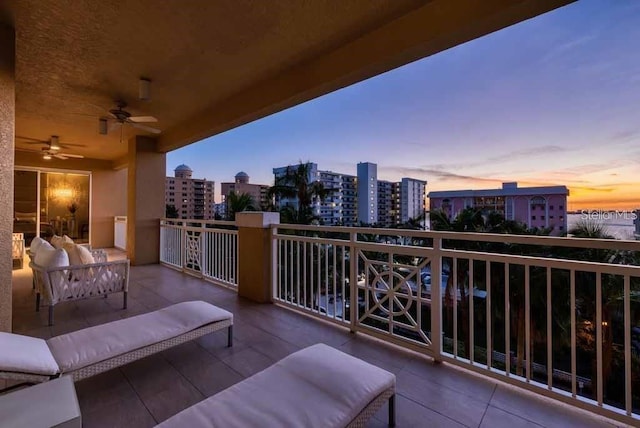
{"points": [[207, 249], [557, 316]]}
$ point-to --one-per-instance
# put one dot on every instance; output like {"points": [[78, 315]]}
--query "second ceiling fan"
{"points": [[121, 117]]}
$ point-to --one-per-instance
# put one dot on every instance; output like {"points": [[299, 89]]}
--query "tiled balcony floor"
{"points": [[153, 389]]}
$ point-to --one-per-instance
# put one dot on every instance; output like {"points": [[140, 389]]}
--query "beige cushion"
{"points": [[67, 240], [57, 241], [24, 354], [316, 387], [85, 255], [51, 257], [78, 255], [91, 345]]}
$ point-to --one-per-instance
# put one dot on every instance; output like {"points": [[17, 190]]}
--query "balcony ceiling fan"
{"points": [[51, 147], [120, 117]]}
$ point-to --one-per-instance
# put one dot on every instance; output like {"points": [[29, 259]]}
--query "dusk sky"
{"points": [[550, 101]]}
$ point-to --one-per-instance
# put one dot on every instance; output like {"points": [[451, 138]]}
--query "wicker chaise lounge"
{"points": [[318, 386], [94, 350]]}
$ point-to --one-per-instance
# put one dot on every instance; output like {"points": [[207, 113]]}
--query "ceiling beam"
{"points": [[432, 28]]}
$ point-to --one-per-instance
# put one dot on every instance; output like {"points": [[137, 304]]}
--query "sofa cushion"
{"points": [[57, 241], [35, 244], [78, 255], [91, 345], [316, 387], [51, 257], [26, 354]]}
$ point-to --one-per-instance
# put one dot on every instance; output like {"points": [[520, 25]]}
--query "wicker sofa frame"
{"points": [[70, 283]]}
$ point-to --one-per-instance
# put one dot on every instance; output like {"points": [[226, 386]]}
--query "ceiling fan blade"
{"points": [[142, 119], [34, 140], [60, 156], [146, 128], [67, 145], [71, 156], [20, 149]]}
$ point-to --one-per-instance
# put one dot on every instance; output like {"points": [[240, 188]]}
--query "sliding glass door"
{"points": [[25, 204], [51, 203]]}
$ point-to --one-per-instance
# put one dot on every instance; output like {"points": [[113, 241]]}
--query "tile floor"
{"points": [[146, 392]]}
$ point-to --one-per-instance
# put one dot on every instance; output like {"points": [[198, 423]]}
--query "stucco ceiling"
{"points": [[209, 61]]}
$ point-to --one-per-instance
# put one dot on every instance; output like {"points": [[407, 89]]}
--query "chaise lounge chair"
{"points": [[94, 350], [318, 386]]}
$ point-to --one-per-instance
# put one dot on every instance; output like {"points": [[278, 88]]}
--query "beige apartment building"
{"points": [[192, 197], [241, 185]]}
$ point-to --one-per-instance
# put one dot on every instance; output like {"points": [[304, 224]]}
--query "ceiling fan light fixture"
{"points": [[102, 126], [55, 143], [144, 89], [46, 156]]}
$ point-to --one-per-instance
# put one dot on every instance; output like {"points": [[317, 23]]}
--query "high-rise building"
{"points": [[361, 199], [412, 199], [367, 193], [541, 207], [388, 203], [241, 184], [339, 205], [191, 197]]}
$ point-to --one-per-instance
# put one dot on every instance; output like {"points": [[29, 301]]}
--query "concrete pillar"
{"points": [[255, 261], [7, 135], [145, 200]]}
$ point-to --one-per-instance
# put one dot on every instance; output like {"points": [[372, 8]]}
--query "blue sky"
{"points": [[553, 100]]}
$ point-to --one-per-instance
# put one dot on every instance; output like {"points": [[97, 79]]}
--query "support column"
{"points": [[145, 200], [255, 254], [7, 136]]}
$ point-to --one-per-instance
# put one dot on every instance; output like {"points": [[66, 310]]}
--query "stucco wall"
{"points": [[7, 130], [108, 199]]}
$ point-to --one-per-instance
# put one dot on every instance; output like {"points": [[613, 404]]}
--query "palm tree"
{"points": [[296, 184], [238, 202], [171, 211]]}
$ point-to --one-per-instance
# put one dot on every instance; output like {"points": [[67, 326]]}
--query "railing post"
{"points": [[183, 244], [203, 249], [256, 265], [436, 300], [353, 281]]}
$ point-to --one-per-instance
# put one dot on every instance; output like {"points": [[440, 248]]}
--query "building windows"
{"points": [[533, 217]]}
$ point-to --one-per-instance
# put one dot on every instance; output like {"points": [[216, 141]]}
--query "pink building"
{"points": [[534, 206]]}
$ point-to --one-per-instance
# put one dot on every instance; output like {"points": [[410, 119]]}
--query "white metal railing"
{"points": [[566, 311], [204, 248]]}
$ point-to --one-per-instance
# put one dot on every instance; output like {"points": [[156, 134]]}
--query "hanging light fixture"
{"points": [[46, 156], [144, 89], [55, 143]]}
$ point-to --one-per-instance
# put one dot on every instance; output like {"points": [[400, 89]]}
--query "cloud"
{"points": [[562, 49], [624, 136], [526, 153], [433, 173]]}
